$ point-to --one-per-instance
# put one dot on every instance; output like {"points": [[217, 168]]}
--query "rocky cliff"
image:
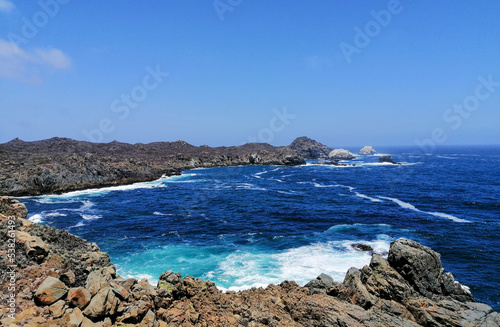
{"points": [[52, 278], [59, 165]]}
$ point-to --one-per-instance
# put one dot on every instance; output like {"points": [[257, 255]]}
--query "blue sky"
{"points": [[227, 72]]}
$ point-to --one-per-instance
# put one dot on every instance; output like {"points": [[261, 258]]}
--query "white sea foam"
{"points": [[257, 175], [66, 197], [445, 157], [367, 197], [91, 217], [157, 213], [127, 275], [321, 185], [36, 218], [402, 204], [248, 186], [86, 204], [445, 215], [55, 214], [79, 224], [436, 214], [243, 270], [49, 199]]}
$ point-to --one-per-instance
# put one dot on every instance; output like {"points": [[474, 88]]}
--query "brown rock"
{"points": [[149, 320], [134, 312], [73, 317], [57, 309], [51, 290], [33, 245], [97, 280], [68, 278], [79, 297], [104, 303]]}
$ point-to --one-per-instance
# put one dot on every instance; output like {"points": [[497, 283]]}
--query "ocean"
{"points": [[250, 226]]}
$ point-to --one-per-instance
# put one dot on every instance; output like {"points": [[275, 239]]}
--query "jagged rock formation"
{"points": [[341, 154], [386, 158], [309, 148], [59, 165], [367, 151], [72, 283]]}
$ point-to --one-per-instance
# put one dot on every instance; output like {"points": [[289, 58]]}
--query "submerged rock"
{"points": [[341, 154], [367, 151], [362, 247]]}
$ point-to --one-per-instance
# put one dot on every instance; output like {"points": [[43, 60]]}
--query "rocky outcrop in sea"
{"points": [[309, 148], [367, 151], [60, 165], [341, 154], [53, 278], [387, 158]]}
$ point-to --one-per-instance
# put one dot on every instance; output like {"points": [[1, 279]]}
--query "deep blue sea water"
{"points": [[254, 225]]}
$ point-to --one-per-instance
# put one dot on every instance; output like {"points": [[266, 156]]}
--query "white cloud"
{"points": [[53, 57], [6, 6], [17, 64]]}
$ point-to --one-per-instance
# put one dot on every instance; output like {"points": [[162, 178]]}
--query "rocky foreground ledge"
{"points": [[52, 278]]}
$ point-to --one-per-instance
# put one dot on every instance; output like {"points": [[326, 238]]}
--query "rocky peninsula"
{"points": [[53, 278], [60, 165]]}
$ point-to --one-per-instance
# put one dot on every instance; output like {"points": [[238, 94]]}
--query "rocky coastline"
{"points": [[60, 165], [57, 279]]}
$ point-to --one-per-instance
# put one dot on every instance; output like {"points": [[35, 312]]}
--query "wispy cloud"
{"points": [[17, 64], [6, 6]]}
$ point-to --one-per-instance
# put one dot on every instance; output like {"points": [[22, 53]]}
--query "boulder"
{"points": [[35, 247], [341, 154], [57, 309], [51, 290], [97, 280], [367, 151], [79, 297], [73, 318], [104, 303]]}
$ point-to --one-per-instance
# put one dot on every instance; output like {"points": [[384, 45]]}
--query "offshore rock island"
{"points": [[61, 280]]}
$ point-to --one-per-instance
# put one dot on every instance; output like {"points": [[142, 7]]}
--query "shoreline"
{"points": [[57, 165], [62, 280]]}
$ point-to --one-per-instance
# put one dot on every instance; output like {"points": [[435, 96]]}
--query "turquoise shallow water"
{"points": [[250, 226]]}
